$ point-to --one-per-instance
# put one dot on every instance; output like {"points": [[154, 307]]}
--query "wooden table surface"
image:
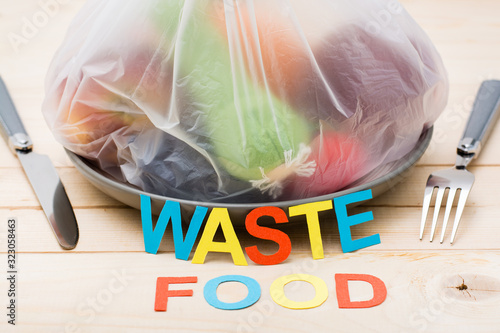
{"points": [[107, 284]]}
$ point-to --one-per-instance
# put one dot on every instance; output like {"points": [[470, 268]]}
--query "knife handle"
{"points": [[12, 127], [485, 110]]}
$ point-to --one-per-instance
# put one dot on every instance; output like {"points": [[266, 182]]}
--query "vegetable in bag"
{"points": [[240, 100]]}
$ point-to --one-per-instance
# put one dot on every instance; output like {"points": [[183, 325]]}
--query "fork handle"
{"points": [[485, 110]]}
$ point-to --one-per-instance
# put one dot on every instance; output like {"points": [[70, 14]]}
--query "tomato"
{"points": [[340, 160]]}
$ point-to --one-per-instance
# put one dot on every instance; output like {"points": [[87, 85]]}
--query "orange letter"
{"points": [[285, 246], [343, 298], [162, 292]]}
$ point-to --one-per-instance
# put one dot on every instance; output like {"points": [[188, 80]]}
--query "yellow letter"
{"points": [[278, 293], [311, 211], [219, 216]]}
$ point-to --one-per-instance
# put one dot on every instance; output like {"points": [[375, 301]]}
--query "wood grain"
{"points": [[82, 194], [115, 292], [107, 283], [119, 229]]}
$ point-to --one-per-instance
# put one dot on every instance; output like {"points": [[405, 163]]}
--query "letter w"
{"points": [[170, 211]]}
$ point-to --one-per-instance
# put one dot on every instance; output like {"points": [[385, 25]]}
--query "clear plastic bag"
{"points": [[243, 100]]}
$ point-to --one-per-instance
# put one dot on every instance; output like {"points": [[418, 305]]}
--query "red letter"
{"points": [[285, 246], [343, 298], [162, 292]]}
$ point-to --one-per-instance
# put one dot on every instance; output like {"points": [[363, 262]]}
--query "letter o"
{"points": [[210, 292], [278, 293]]}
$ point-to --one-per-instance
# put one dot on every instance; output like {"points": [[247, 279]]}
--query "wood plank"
{"points": [[443, 147], [115, 292], [24, 70], [410, 191], [57, 288], [15, 191], [461, 34], [116, 230]]}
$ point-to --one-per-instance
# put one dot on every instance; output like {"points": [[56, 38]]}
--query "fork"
{"points": [[484, 112]]}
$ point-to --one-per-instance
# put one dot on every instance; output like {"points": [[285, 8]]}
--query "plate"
{"points": [[379, 181]]}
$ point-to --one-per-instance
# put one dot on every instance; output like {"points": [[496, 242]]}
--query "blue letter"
{"points": [[171, 210], [210, 292], [345, 222]]}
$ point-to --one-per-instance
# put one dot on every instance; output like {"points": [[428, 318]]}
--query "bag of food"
{"points": [[243, 100]]}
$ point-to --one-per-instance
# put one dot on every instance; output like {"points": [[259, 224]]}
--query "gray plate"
{"points": [[379, 181]]}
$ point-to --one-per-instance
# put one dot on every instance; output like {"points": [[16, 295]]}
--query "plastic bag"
{"points": [[243, 100]]}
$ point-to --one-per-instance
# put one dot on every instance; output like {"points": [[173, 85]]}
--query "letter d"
{"points": [[344, 299]]}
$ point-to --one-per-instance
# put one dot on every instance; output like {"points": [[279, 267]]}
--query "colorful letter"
{"points": [[278, 293], [285, 246], [171, 210], [162, 292], [343, 298], [311, 211], [346, 222], [210, 292], [219, 216]]}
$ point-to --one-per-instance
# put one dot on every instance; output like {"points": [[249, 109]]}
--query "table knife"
{"points": [[41, 174]]}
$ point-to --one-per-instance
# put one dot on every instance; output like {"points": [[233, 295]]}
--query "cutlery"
{"points": [[484, 113], [41, 174]]}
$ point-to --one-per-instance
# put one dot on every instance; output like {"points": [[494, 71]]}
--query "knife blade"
{"points": [[41, 174]]}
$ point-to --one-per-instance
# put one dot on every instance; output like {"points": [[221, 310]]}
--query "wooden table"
{"points": [[107, 284]]}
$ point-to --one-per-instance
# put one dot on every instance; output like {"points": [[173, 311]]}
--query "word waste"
{"points": [[219, 218]]}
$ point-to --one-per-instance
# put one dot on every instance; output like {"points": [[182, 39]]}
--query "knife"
{"points": [[41, 174]]}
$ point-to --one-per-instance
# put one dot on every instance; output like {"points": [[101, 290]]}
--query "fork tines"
{"points": [[442, 181]]}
